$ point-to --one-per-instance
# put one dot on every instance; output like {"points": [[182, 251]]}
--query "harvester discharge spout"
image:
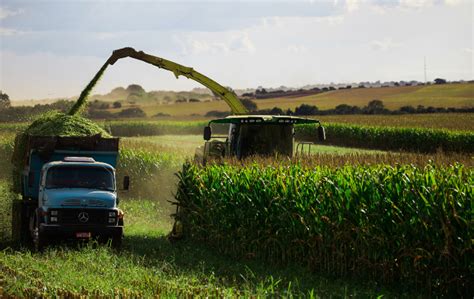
{"points": [[228, 96]]}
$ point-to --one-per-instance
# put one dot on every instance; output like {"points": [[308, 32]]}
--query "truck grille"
{"points": [[82, 216], [71, 202], [96, 203]]}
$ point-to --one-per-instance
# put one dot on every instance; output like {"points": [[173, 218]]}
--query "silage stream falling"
{"points": [[82, 100]]}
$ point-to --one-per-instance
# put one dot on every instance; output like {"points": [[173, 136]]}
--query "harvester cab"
{"points": [[248, 135]]}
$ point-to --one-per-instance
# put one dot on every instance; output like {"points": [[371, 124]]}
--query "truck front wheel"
{"points": [[39, 241], [117, 242]]}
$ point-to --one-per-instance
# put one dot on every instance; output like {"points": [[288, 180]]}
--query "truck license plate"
{"points": [[83, 235]]}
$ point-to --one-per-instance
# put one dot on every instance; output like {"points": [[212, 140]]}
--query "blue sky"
{"points": [[51, 49]]}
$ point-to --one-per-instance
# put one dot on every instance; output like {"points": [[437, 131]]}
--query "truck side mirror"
{"points": [[207, 133], [126, 182], [321, 133]]}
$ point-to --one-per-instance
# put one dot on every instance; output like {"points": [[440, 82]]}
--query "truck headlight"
{"points": [[54, 213], [111, 214], [111, 220], [54, 219]]}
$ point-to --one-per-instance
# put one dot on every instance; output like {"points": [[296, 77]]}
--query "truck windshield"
{"points": [[80, 177]]}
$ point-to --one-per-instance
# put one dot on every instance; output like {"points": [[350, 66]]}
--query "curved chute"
{"points": [[229, 97]]}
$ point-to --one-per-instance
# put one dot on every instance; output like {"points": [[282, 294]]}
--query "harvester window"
{"points": [[265, 139]]}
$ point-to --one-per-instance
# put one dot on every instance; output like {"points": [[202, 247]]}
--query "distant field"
{"points": [[450, 95], [449, 121]]}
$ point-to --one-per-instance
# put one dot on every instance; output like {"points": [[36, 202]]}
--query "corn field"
{"points": [[404, 225], [423, 140], [392, 138], [384, 138]]}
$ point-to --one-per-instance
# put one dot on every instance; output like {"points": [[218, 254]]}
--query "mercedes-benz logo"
{"points": [[83, 217]]}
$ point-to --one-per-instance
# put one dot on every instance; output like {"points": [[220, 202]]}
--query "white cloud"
{"points": [[453, 2], [416, 3], [215, 43], [468, 50], [241, 42], [10, 32], [353, 5], [283, 22], [5, 12], [384, 44], [382, 7], [107, 35], [297, 49]]}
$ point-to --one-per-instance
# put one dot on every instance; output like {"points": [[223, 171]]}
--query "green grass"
{"points": [[187, 145], [149, 265], [6, 199]]}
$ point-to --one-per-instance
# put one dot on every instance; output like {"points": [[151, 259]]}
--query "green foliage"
{"points": [[148, 128], [392, 138], [405, 225], [148, 170], [305, 109], [6, 200], [249, 104], [27, 113], [4, 100], [132, 112]]}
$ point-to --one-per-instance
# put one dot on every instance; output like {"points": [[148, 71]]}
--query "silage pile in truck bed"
{"points": [[54, 124], [60, 124], [50, 124]]}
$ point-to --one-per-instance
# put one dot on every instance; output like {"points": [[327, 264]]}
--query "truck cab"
{"points": [[69, 190]]}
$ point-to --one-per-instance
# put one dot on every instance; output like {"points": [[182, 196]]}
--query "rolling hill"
{"points": [[447, 95]]}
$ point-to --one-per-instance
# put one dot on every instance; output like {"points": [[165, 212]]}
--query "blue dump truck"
{"points": [[69, 191]]}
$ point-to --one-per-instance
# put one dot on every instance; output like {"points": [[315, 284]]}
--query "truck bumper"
{"points": [[71, 231]]}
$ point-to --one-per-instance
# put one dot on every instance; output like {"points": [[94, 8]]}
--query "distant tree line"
{"points": [[27, 113], [373, 107], [262, 93], [95, 110]]}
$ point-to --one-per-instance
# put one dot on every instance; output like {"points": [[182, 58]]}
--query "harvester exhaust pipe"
{"points": [[321, 133]]}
